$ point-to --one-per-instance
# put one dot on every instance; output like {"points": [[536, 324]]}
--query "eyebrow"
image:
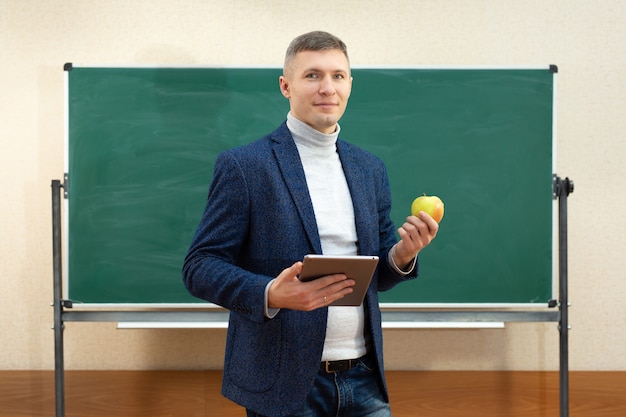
{"points": [[335, 71]]}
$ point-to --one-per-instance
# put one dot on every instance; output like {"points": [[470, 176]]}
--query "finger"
{"points": [[296, 268], [412, 229], [414, 236], [433, 226], [291, 272], [407, 242], [338, 291], [426, 227], [324, 284]]}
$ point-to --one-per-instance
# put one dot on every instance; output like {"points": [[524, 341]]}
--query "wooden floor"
{"points": [[413, 394]]}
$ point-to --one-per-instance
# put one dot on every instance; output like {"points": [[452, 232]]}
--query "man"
{"points": [[296, 191]]}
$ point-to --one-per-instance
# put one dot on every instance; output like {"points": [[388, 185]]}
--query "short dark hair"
{"points": [[314, 41]]}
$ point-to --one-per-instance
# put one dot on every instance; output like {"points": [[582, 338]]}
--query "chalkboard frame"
{"points": [[384, 303]]}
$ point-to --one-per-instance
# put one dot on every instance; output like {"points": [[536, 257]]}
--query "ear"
{"points": [[284, 86]]}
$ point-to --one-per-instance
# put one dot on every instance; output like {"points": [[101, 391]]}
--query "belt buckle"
{"points": [[342, 365]]}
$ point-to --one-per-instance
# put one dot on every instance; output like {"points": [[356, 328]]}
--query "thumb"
{"points": [[291, 272], [296, 268]]}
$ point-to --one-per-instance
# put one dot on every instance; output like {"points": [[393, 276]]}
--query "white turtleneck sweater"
{"points": [[334, 214]]}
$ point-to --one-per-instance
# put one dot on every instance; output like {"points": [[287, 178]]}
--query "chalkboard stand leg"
{"points": [[59, 378], [562, 188]]}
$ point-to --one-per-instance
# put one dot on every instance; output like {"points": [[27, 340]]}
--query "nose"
{"points": [[327, 88]]}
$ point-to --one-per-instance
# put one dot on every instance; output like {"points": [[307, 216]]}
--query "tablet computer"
{"points": [[359, 268]]}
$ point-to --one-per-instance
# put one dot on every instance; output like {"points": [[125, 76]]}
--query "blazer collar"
{"points": [[288, 160], [362, 196]]}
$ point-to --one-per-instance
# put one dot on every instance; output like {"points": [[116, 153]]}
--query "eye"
{"points": [[312, 75], [339, 76]]}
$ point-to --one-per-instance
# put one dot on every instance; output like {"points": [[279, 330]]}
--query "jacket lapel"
{"points": [[362, 197], [288, 160]]}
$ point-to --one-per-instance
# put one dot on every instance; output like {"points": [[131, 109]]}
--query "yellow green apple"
{"points": [[430, 204]]}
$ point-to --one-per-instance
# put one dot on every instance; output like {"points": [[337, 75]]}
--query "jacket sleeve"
{"points": [[211, 269], [388, 276]]}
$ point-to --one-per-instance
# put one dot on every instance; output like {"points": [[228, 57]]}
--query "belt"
{"points": [[338, 366]]}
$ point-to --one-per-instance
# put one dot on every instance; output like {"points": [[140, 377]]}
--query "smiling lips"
{"points": [[326, 104]]}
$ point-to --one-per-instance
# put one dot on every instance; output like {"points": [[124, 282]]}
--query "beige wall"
{"points": [[586, 39]]}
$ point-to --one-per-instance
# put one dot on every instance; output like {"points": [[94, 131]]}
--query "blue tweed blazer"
{"points": [[259, 220]]}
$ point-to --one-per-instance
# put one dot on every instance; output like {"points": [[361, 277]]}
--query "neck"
{"points": [[306, 136]]}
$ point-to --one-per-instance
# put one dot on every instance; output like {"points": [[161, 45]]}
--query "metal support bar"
{"points": [[563, 187], [471, 316], [145, 316], [203, 316], [59, 379]]}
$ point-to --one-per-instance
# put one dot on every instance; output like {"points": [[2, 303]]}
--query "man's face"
{"points": [[318, 85]]}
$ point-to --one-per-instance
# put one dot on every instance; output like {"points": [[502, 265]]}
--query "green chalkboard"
{"points": [[141, 144]]}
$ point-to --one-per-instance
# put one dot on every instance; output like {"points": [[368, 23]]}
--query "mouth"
{"points": [[326, 105]]}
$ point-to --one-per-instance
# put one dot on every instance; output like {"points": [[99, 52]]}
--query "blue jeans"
{"points": [[353, 393]]}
